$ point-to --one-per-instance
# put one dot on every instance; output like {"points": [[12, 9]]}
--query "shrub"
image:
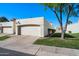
{"points": [[70, 31], [59, 35]]}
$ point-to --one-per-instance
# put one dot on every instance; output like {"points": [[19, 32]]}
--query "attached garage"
{"points": [[37, 26], [31, 29]]}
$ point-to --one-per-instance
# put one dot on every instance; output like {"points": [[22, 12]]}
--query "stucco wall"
{"points": [[46, 27], [7, 30], [0, 31], [37, 21], [6, 23], [74, 28]]}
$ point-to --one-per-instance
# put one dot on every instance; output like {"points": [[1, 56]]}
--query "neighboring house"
{"points": [[32, 26], [71, 28], [58, 30]]}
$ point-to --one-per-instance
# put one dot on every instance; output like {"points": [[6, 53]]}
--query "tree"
{"points": [[69, 22], [60, 9], [3, 19]]}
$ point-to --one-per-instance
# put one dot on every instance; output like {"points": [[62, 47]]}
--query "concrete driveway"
{"points": [[20, 43], [19, 40]]}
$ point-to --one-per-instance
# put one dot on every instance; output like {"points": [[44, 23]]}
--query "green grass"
{"points": [[67, 43], [4, 38], [75, 35]]}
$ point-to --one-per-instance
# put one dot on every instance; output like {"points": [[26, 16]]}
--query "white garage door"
{"points": [[8, 30], [31, 30]]}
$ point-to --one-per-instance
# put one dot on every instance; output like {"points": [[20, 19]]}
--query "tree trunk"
{"points": [[67, 18], [62, 35], [62, 32]]}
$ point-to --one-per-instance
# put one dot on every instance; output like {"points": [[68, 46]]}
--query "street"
{"points": [[7, 52]]}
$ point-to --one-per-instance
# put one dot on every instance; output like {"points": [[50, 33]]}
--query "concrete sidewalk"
{"points": [[39, 50], [57, 51]]}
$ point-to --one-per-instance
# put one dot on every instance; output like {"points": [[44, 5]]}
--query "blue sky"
{"points": [[27, 10]]}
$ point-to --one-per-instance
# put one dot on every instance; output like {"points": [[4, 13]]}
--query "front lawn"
{"points": [[3, 38], [75, 35], [55, 41]]}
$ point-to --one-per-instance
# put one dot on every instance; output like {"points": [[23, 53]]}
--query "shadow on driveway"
{"points": [[7, 52]]}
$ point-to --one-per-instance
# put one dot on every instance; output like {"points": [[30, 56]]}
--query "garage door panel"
{"points": [[34, 31], [8, 30]]}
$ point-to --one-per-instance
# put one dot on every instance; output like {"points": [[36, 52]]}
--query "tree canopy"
{"points": [[3, 19], [69, 22], [60, 9]]}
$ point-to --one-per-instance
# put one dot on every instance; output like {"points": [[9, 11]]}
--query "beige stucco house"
{"points": [[31, 26], [73, 28]]}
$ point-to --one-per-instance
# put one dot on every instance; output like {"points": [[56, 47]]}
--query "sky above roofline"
{"points": [[29, 10]]}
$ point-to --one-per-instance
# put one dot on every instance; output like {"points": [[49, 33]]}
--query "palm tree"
{"points": [[60, 9]]}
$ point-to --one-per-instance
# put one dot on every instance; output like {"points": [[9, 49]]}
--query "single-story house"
{"points": [[31, 26], [71, 28]]}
